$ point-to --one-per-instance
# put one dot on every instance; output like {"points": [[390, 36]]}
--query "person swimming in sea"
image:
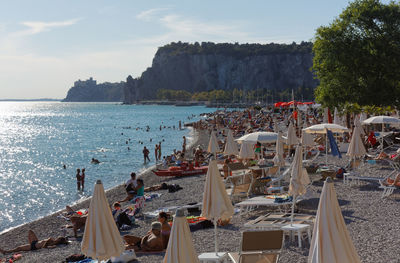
{"points": [[95, 161]]}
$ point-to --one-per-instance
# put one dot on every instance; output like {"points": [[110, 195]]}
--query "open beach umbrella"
{"points": [[382, 120], [331, 241], [298, 178], [356, 146], [213, 144], [247, 151], [216, 203], [101, 239], [322, 129], [278, 158], [180, 245], [261, 137], [291, 136], [231, 147]]}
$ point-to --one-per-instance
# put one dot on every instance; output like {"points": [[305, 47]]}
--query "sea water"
{"points": [[38, 138]]}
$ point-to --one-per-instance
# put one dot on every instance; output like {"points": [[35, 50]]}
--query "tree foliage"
{"points": [[357, 57], [235, 50]]}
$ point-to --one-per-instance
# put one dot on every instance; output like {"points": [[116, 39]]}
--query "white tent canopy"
{"points": [[261, 137]]}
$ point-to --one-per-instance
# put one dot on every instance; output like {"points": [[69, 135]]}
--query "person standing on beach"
{"points": [[180, 125], [78, 178], [146, 154], [159, 151], [184, 144], [83, 178], [156, 152]]}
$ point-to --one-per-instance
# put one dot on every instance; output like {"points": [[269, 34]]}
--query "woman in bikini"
{"points": [[165, 228], [35, 243]]}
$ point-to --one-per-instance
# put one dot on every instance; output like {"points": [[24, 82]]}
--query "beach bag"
{"points": [[340, 172]]}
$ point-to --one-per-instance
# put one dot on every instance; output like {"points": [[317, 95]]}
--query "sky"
{"points": [[46, 45]]}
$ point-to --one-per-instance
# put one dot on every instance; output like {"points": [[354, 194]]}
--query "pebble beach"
{"points": [[373, 222]]}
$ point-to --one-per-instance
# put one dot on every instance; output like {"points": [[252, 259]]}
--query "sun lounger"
{"points": [[240, 186], [276, 221], [252, 203], [259, 246], [387, 189]]}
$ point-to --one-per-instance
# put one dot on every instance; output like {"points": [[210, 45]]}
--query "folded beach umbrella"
{"points": [[298, 178], [276, 128], [180, 245], [357, 122], [356, 146], [101, 239], [291, 136], [363, 116], [216, 203], [331, 241], [326, 118], [261, 137], [336, 118], [307, 139], [299, 119], [247, 151], [231, 147], [213, 144], [332, 143], [278, 159]]}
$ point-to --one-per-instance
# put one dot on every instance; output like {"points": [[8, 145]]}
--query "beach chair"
{"points": [[259, 247], [241, 186]]}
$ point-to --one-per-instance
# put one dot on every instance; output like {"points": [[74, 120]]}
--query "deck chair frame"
{"points": [[265, 246]]}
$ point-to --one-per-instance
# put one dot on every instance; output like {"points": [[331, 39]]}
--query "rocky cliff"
{"points": [[208, 66], [90, 91]]}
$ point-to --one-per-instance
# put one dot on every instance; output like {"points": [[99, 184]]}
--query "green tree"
{"points": [[357, 57]]}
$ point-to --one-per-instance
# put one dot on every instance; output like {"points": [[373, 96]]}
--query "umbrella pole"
{"points": [[292, 216], [215, 236], [326, 148]]}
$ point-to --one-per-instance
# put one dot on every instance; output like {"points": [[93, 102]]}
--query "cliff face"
{"points": [[90, 91], [204, 71]]}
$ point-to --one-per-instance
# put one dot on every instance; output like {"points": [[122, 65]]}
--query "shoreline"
{"points": [[193, 137]]}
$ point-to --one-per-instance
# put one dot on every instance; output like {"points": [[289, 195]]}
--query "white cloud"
{"points": [[36, 27], [150, 14]]}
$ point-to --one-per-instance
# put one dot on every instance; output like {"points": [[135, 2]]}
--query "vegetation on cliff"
{"points": [[235, 95], [235, 50], [357, 57]]}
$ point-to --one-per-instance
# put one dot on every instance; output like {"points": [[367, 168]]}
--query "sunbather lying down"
{"points": [[390, 182], [152, 241], [78, 221], [34, 243]]}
